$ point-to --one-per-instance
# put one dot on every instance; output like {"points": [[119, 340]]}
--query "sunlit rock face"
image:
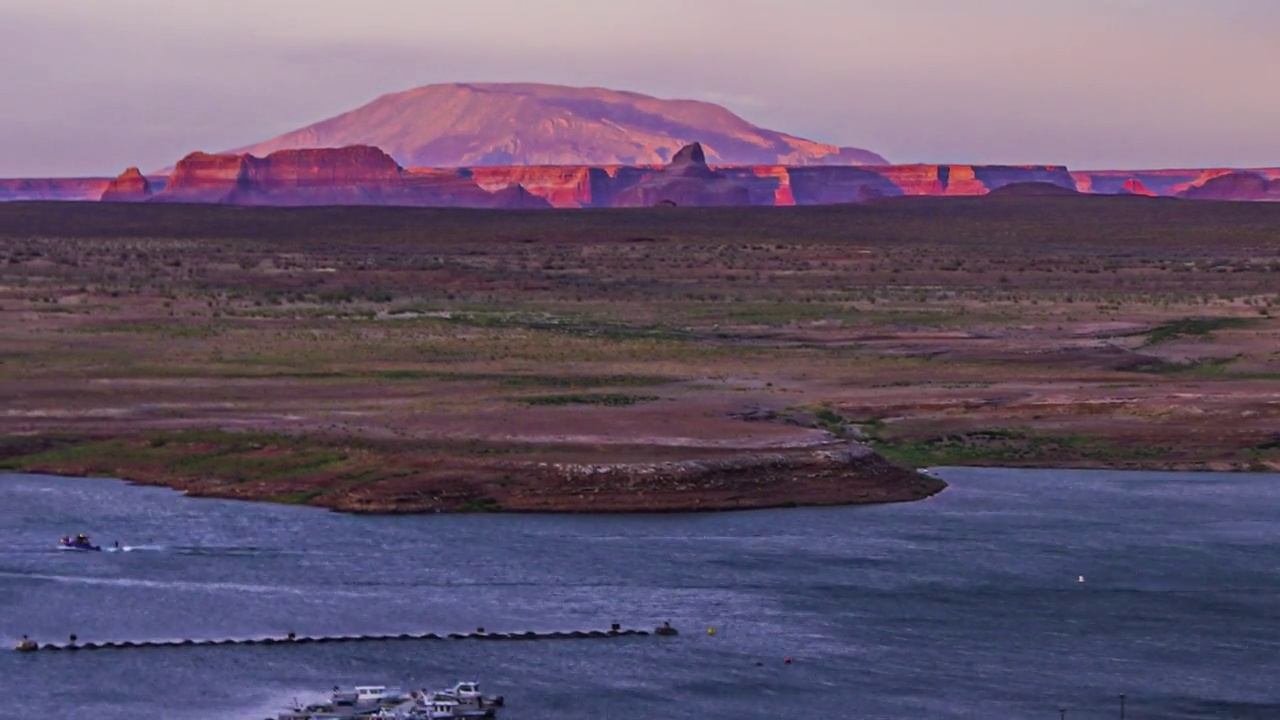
{"points": [[1160, 183], [1235, 186], [357, 175], [129, 186], [1134, 186]]}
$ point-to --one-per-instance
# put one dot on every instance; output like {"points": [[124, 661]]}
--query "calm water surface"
{"points": [[968, 605]]}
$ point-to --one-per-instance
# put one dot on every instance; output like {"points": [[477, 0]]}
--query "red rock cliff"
{"points": [[130, 186], [564, 186], [1158, 182], [358, 175], [205, 178]]}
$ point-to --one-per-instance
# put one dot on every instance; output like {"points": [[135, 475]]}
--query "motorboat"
{"points": [[368, 695], [80, 542], [442, 706], [468, 693], [463, 701], [309, 712]]}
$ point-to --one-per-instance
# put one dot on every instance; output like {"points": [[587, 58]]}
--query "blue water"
{"points": [[967, 605]]}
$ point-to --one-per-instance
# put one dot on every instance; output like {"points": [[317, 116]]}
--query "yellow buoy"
{"points": [[711, 631]]}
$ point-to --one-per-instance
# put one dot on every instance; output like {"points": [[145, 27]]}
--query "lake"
{"points": [[1011, 594]]}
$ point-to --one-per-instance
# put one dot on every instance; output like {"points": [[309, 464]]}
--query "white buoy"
{"points": [[1080, 578]]}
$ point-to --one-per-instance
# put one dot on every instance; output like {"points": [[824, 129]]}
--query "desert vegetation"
{"points": [[300, 355]]}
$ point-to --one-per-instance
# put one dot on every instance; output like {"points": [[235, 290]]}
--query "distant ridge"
{"points": [[484, 124], [1033, 189]]}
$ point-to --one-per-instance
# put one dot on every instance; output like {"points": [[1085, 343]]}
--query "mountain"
{"points": [[480, 124]]}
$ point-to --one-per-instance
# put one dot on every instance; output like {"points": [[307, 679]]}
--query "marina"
{"points": [[462, 700]]}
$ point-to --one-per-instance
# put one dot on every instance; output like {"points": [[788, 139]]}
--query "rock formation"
{"points": [[481, 124], [1235, 186], [1162, 183], [62, 189], [357, 175], [819, 186], [564, 186], [365, 175], [1134, 186], [129, 186], [687, 181], [831, 185]]}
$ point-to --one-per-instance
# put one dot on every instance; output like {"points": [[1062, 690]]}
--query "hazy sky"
{"points": [[91, 86]]}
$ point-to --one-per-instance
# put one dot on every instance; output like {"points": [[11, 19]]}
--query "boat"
{"points": [[468, 693], [442, 706], [80, 542], [463, 701], [309, 712], [368, 695]]}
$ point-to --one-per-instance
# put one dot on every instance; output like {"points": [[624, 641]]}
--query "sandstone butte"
{"points": [[483, 124], [130, 186], [357, 175]]}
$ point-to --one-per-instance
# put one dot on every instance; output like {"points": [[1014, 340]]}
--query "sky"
{"points": [[93, 86]]}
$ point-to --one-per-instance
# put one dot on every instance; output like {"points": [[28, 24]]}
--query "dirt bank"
{"points": [[374, 479]]}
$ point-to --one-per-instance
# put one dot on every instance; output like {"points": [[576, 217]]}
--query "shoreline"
{"points": [[731, 482], [847, 475]]}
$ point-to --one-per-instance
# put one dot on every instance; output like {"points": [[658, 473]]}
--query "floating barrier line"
{"points": [[73, 644]]}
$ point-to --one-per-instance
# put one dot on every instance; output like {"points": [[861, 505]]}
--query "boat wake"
{"points": [[227, 550], [135, 548], [190, 585], [195, 550]]}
